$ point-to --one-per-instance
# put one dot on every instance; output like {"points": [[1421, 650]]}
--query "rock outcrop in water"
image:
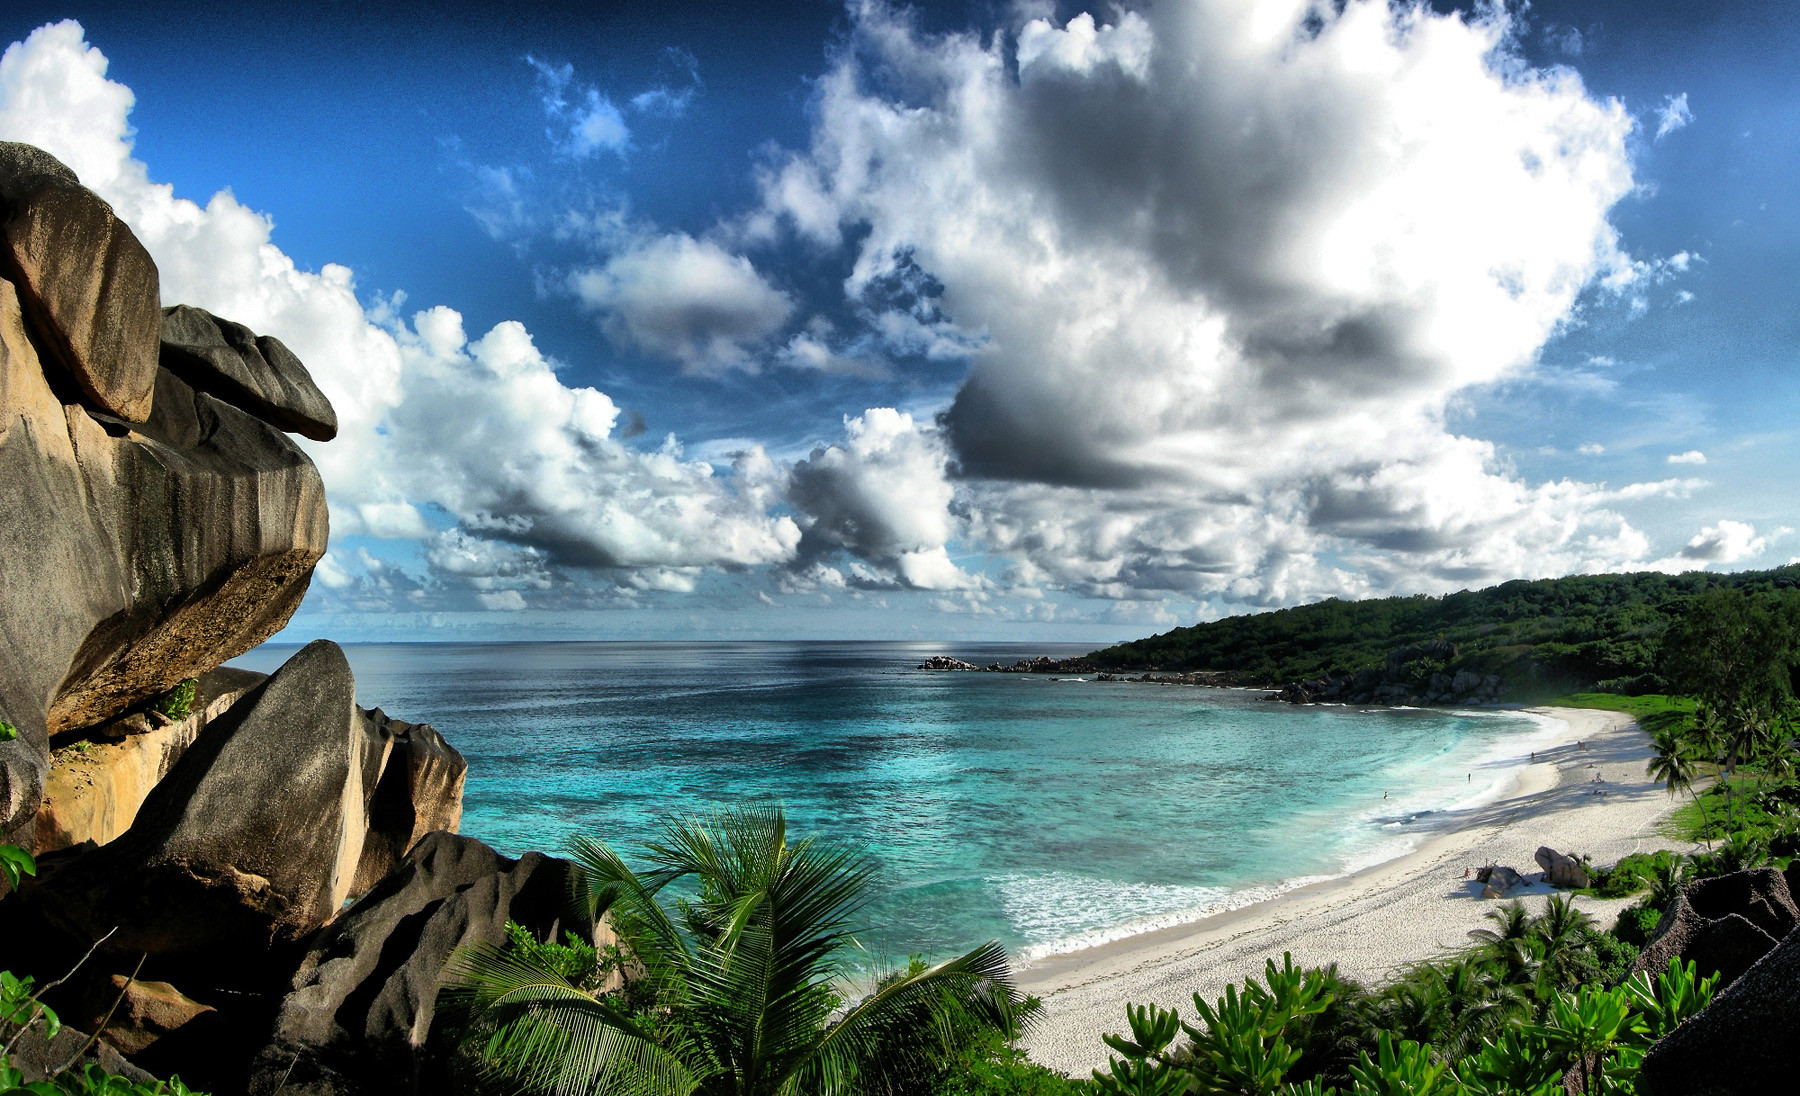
{"points": [[159, 522]]}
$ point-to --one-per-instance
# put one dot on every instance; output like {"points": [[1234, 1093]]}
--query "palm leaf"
{"points": [[550, 1036]]}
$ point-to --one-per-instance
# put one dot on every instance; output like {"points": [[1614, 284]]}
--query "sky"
{"points": [[974, 320]]}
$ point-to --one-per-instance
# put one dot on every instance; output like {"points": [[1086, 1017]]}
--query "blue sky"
{"points": [[974, 320]]}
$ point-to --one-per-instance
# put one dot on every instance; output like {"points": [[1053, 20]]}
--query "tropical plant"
{"points": [[1668, 1002], [1561, 933], [1243, 1047], [1583, 1030], [1513, 1064], [1142, 1065], [178, 702], [737, 980], [1674, 760], [1402, 1068]]}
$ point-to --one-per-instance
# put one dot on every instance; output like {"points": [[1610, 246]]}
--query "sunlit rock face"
{"points": [[148, 530]]}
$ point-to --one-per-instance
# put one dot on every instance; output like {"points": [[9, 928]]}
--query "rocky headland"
{"points": [[1415, 675], [255, 880]]}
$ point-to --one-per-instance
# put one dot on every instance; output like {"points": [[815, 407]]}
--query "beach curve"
{"points": [[1378, 920]]}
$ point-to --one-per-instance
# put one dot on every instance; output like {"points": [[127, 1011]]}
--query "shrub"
{"points": [[1636, 924], [178, 701]]}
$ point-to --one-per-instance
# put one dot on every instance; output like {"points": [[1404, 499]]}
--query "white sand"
{"points": [[1380, 919]]}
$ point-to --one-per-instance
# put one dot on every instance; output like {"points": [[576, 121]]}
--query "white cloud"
{"points": [[1672, 115], [881, 494], [1726, 542], [1231, 262], [1692, 456], [1591, 449], [502, 600], [684, 299], [529, 469]]}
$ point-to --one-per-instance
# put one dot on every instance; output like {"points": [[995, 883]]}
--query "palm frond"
{"points": [[549, 1036], [980, 979]]}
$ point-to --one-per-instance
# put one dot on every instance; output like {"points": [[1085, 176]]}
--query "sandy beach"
{"points": [[1380, 919]]}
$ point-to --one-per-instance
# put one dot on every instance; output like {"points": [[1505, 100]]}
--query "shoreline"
{"points": [[1378, 919]]}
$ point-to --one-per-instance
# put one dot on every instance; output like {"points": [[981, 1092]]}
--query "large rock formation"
{"points": [[97, 785], [89, 286], [153, 531], [257, 835], [359, 1018], [420, 791], [1742, 1044], [252, 372], [1723, 925]]}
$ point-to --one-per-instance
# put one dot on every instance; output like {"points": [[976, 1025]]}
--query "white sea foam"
{"points": [[1043, 907]]}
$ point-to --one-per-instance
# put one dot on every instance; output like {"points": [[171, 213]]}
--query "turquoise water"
{"points": [[1045, 813]]}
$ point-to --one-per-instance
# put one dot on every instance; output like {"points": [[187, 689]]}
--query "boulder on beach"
{"points": [[1561, 869], [1498, 880]]}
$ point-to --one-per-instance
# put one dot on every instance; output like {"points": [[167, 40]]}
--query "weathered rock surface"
{"points": [[146, 1012], [945, 662], [37, 1057], [1761, 896], [256, 836], [251, 841], [1742, 1044], [420, 790], [96, 787], [89, 289], [1723, 925], [1498, 880], [136, 556], [254, 373], [1560, 869], [359, 1017]]}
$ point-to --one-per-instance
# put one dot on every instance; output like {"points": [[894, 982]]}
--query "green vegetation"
{"points": [[178, 701], [1491, 1039], [734, 987], [1544, 638]]}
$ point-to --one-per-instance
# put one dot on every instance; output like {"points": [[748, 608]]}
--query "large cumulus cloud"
{"points": [[435, 427], [1234, 262]]}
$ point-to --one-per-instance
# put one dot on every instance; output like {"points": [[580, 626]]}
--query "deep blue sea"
{"points": [[1046, 813]]}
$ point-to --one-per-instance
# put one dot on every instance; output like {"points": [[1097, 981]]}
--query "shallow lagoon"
{"points": [[1047, 813]]}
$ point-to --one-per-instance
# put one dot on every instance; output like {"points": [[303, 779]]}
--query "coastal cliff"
{"points": [[264, 875]]}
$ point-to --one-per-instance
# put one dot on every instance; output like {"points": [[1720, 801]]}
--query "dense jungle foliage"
{"points": [[1543, 637]]}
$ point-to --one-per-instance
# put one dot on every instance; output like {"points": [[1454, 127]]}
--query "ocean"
{"points": [[1047, 813]]}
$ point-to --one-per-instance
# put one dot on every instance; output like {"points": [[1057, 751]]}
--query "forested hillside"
{"points": [[1539, 636]]}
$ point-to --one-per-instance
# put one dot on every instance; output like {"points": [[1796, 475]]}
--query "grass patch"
{"points": [[1654, 712]]}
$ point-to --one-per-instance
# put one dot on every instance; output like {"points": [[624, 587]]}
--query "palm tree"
{"points": [[1561, 933], [741, 977], [1672, 761], [1509, 944], [1469, 1004]]}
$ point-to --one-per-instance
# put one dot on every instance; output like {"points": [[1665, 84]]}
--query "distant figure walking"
{"points": [[1384, 795], [1471, 779]]}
